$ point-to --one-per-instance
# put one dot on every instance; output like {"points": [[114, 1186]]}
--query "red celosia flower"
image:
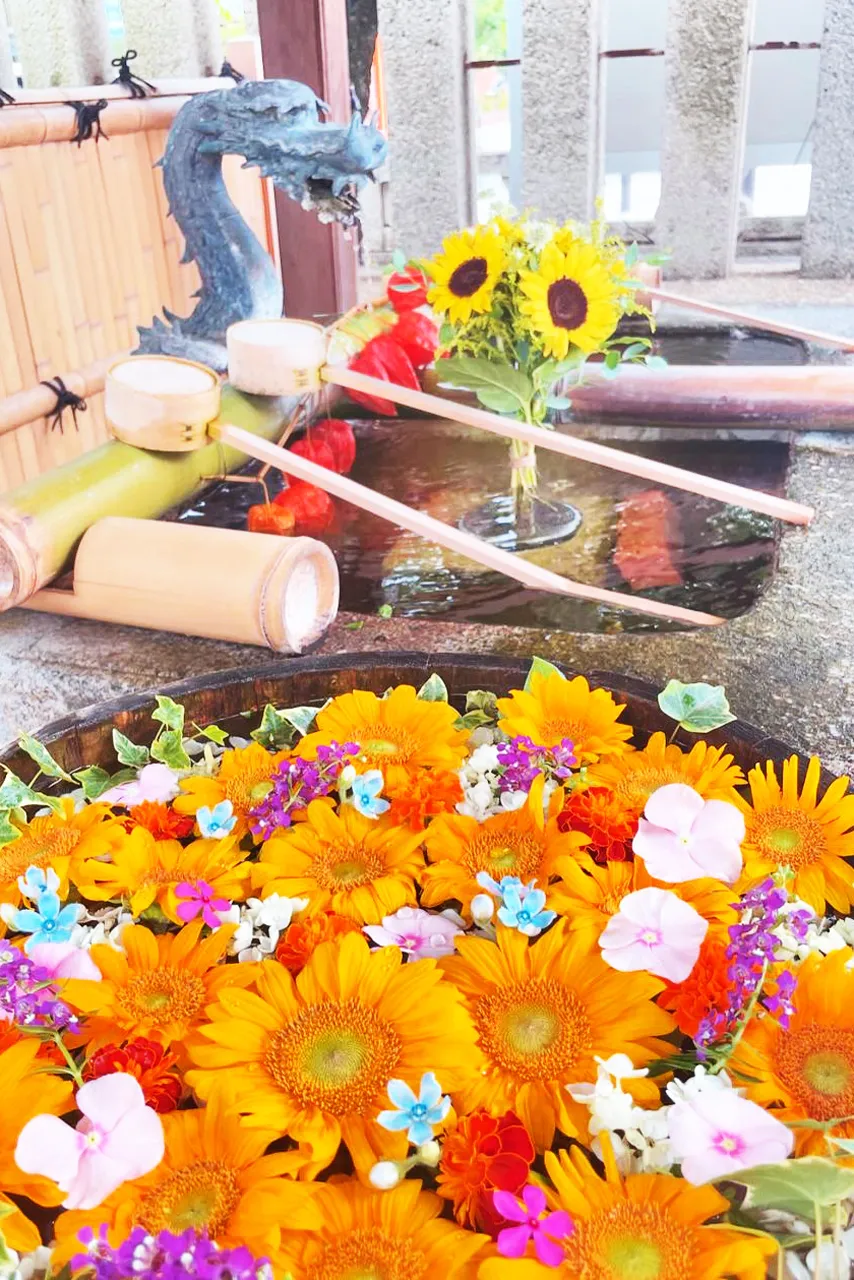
{"points": [[601, 815], [704, 992], [300, 938], [484, 1154], [423, 797], [161, 820], [145, 1060]]}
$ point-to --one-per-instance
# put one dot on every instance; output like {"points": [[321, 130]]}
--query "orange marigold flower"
{"points": [[422, 797], [160, 819], [301, 938], [145, 1060], [606, 819], [484, 1154], [704, 992]]}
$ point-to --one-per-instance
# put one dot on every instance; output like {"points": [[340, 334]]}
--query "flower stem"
{"points": [[818, 1234], [748, 1014], [837, 1240], [73, 1068]]}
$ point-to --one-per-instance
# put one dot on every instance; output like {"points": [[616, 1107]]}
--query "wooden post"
{"points": [[306, 40]]}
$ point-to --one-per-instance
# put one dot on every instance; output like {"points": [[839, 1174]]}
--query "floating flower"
{"points": [[571, 299], [521, 904], [422, 797], [683, 837], [245, 776], [545, 1229], [714, 1134], [522, 760], [260, 923], [635, 775], [64, 960], [483, 1154], [365, 793], [49, 922], [656, 932], [419, 1114], [603, 817], [37, 881], [160, 820], [465, 273], [118, 1139], [296, 783], [418, 933], [28, 998], [148, 1062], [58, 841], [556, 708], [218, 822], [165, 1256], [704, 996], [196, 897], [155, 784], [302, 938]]}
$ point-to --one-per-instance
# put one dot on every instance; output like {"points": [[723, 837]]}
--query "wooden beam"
{"points": [[306, 40]]}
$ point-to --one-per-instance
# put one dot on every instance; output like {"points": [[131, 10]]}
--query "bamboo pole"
{"points": [[820, 339], [29, 126], [37, 402], [166, 88]]}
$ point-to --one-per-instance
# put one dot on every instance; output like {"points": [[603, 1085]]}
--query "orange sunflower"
{"points": [[522, 843], [244, 778], [364, 868], [59, 840], [399, 734], [214, 1177], [633, 777], [556, 708], [312, 1058], [807, 1071], [157, 987], [379, 1235], [811, 837], [543, 1014], [646, 1226], [26, 1094]]}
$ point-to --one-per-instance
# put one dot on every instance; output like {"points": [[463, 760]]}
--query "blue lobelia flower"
{"points": [[51, 922], [522, 908], [216, 822], [419, 1115], [366, 791]]}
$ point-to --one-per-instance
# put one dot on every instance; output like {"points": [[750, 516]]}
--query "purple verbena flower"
{"points": [[28, 997], [523, 760], [296, 783], [165, 1257]]}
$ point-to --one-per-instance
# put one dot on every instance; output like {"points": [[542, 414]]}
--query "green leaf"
{"points": [[94, 781], [635, 349], [612, 359], [795, 1186], [844, 1144], [539, 667], [631, 255], [45, 761], [302, 718], [482, 700], [558, 402], [478, 374], [497, 400], [699, 708], [656, 362], [433, 690], [274, 732], [354, 626], [446, 334], [128, 752], [169, 713], [551, 371], [15, 794], [657, 259], [168, 748], [385, 611], [473, 720], [398, 260], [8, 831], [215, 734]]}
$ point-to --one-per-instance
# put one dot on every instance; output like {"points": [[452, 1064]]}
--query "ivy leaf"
{"points": [[487, 375], [796, 1186], [94, 781], [302, 718], [169, 713], [8, 831], [482, 700], [274, 732], [16, 794], [539, 667], [214, 734], [473, 720], [128, 752], [434, 690], [45, 761], [699, 708], [168, 748]]}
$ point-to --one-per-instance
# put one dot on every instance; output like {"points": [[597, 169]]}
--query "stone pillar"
{"points": [[561, 138], [61, 42], [704, 118], [828, 244], [7, 71], [423, 49], [173, 37]]}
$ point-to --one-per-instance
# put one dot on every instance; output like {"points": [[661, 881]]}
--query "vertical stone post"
{"points": [[828, 244], [423, 44], [7, 71], [704, 117], [173, 37], [61, 41], [561, 137]]}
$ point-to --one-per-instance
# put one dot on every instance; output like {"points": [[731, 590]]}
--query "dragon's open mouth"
{"points": [[330, 206]]}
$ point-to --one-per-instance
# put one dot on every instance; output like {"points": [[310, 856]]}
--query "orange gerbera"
{"points": [[544, 1013], [604, 818], [59, 840], [157, 987], [245, 776], [556, 708], [705, 992], [422, 797], [399, 734], [144, 870], [811, 837], [633, 777], [302, 937], [26, 1093], [312, 1058], [805, 1072], [646, 1226], [522, 843], [355, 866]]}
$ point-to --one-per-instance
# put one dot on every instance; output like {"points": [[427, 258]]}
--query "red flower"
{"points": [[338, 435], [145, 1060], [299, 940], [704, 992], [484, 1154], [161, 820], [317, 451], [313, 510], [385, 359], [418, 336], [599, 814], [407, 289], [266, 518]]}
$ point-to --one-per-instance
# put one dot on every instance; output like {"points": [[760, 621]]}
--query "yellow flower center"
{"points": [[369, 1254], [247, 785], [202, 1195], [787, 836], [536, 1030], [553, 731], [816, 1064], [342, 867], [631, 1241], [492, 852], [338, 1057], [36, 850], [162, 995], [384, 744], [636, 787]]}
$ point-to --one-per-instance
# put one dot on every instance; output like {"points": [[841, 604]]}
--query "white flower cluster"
{"points": [[823, 935], [482, 785], [14, 1266], [259, 925]]}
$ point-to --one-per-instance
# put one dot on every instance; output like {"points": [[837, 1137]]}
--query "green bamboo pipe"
{"points": [[42, 522]]}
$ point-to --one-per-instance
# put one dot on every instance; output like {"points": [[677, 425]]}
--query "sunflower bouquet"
{"points": [[525, 304], [399, 990]]}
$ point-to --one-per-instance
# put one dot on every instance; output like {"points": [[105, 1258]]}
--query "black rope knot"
{"points": [[89, 120], [135, 83], [6, 99], [65, 399], [227, 71]]}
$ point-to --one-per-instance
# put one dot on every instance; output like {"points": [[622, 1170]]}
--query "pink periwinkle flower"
{"points": [[118, 1139], [715, 1133], [418, 933], [64, 960], [654, 931], [197, 897], [545, 1229], [683, 837], [157, 783]]}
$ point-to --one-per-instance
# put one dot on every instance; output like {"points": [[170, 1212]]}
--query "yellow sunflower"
{"points": [[312, 1058], [465, 273], [544, 1013], [522, 843], [59, 840], [807, 1071], [379, 1235], [26, 1093], [144, 870], [244, 778], [214, 1177], [399, 734], [556, 708], [645, 1226], [634, 776], [158, 987], [362, 868], [812, 837], [571, 300]]}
